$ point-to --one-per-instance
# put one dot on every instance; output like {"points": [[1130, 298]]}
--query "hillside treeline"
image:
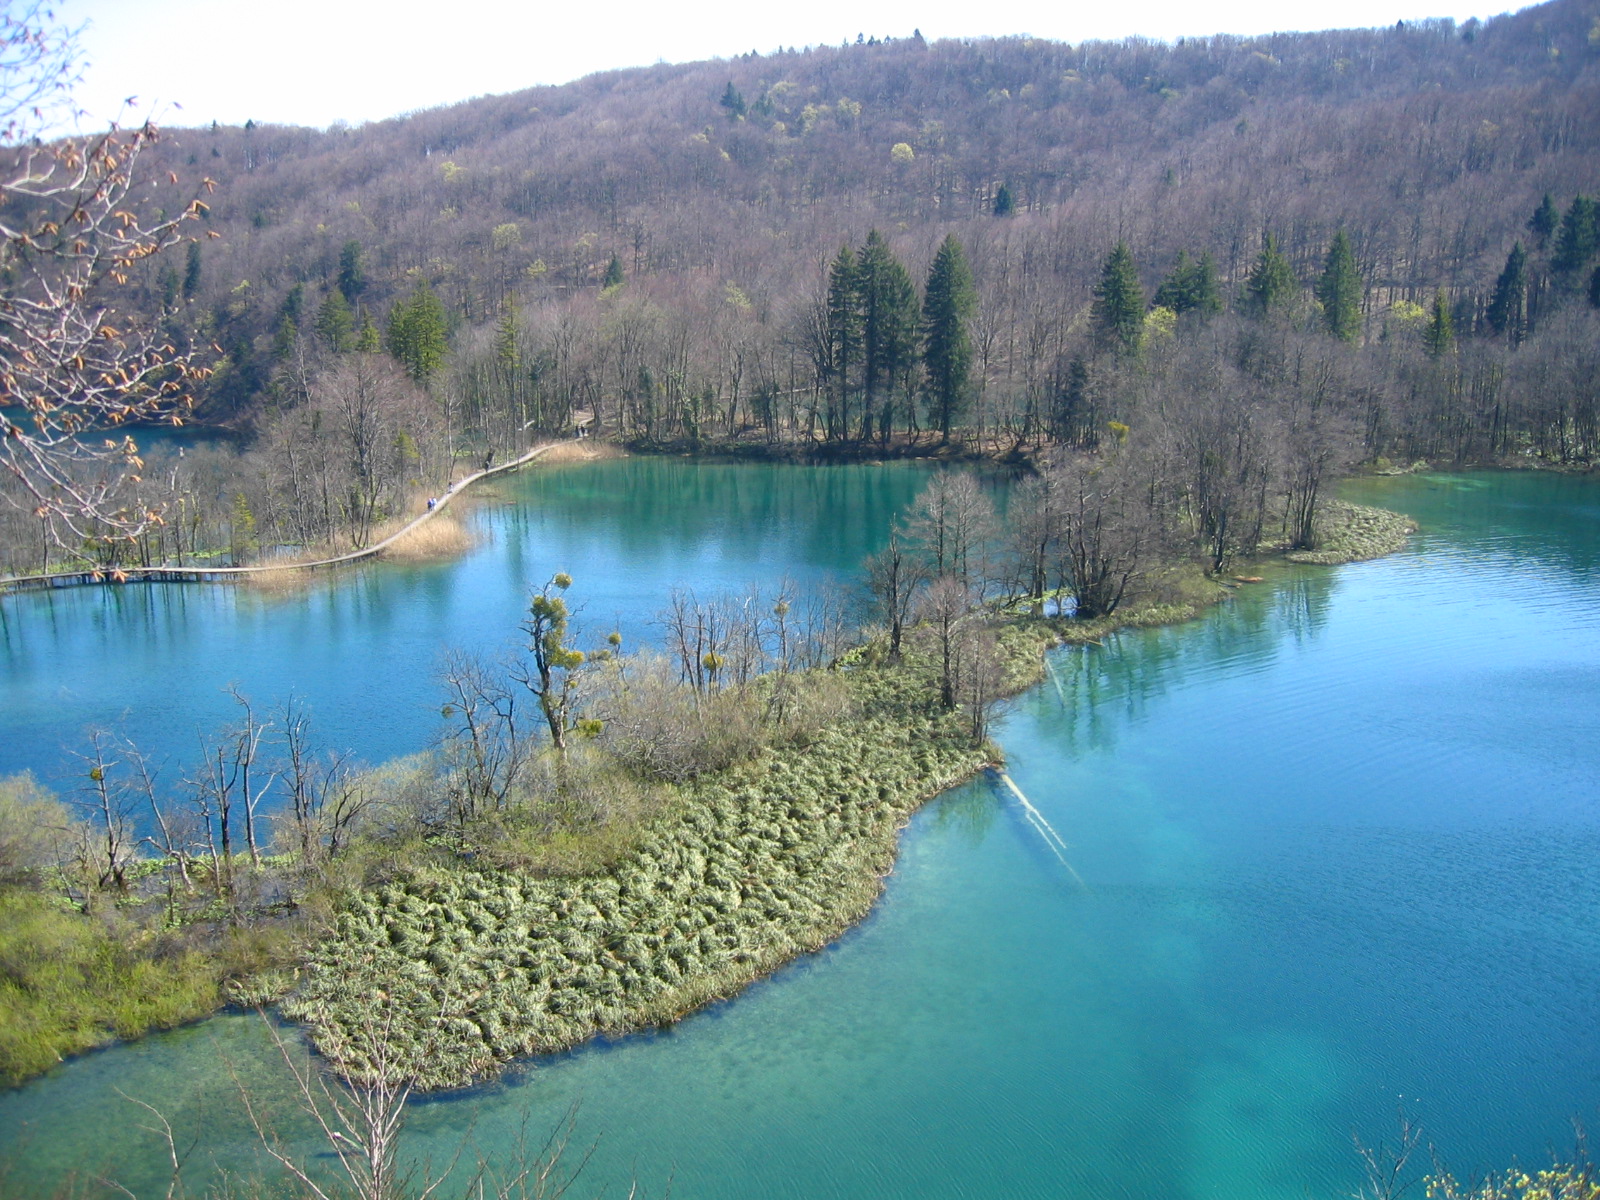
{"points": [[663, 253]]}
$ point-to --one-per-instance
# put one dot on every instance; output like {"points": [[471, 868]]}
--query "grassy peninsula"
{"points": [[738, 872], [494, 899]]}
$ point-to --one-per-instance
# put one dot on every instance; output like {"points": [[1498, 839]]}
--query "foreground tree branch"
{"points": [[76, 370]]}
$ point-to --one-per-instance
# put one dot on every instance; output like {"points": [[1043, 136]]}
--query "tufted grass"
{"points": [[732, 876], [69, 983]]}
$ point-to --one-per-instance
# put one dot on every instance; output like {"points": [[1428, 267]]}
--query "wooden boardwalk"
{"points": [[136, 574]]}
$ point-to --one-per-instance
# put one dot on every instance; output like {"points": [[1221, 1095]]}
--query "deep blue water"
{"points": [[1333, 852]]}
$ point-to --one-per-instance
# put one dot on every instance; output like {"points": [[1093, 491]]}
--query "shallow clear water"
{"points": [[1334, 851]]}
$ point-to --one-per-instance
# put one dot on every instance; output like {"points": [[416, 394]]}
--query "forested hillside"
{"points": [[661, 249]]}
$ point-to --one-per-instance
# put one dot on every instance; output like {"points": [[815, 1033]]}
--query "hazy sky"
{"points": [[313, 62]]}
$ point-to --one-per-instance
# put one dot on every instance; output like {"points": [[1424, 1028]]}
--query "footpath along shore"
{"points": [[197, 574]]}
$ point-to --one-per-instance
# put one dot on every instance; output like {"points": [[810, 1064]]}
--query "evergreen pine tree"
{"points": [[418, 334], [1439, 336], [335, 323], [191, 272], [368, 341], [947, 304], [1544, 221], [1339, 289], [1118, 311], [1594, 288], [1271, 281], [1508, 307], [352, 280], [843, 335], [284, 337], [171, 285], [242, 529], [733, 102], [507, 351], [1191, 286], [613, 276], [290, 315], [1174, 290], [1004, 203], [888, 306], [1204, 292], [294, 305], [1575, 243]]}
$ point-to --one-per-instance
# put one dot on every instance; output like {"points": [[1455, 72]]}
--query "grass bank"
{"points": [[737, 874], [1354, 533], [71, 982]]}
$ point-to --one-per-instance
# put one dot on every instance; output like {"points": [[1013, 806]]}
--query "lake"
{"points": [[1333, 854], [362, 647]]}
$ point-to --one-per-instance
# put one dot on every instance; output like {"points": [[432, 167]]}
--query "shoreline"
{"points": [[91, 576], [593, 969], [776, 858], [723, 888]]}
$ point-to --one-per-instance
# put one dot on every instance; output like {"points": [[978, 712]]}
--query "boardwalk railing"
{"points": [[193, 574]]}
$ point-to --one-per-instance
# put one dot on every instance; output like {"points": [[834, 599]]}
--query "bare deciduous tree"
{"points": [[952, 521], [77, 366], [895, 579], [486, 749]]}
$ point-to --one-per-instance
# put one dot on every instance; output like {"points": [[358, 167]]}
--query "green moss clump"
{"points": [[741, 872], [1354, 533]]}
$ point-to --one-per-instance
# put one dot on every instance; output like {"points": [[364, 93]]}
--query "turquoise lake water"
{"points": [[362, 647], [1333, 853]]}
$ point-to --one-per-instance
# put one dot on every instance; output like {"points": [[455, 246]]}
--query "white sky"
{"points": [[313, 62]]}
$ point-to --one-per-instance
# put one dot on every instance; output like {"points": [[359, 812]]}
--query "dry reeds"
{"points": [[442, 536], [584, 451], [290, 581], [743, 869]]}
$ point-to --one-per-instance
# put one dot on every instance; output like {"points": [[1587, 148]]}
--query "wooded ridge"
{"points": [[1000, 243]]}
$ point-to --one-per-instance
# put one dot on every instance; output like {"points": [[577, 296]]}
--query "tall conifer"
{"points": [[1191, 286], [1339, 289], [1271, 281], [1439, 337], [352, 280], [1575, 243], [1118, 310], [335, 323], [946, 346], [843, 335], [1508, 307], [888, 304], [1544, 221], [418, 334]]}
